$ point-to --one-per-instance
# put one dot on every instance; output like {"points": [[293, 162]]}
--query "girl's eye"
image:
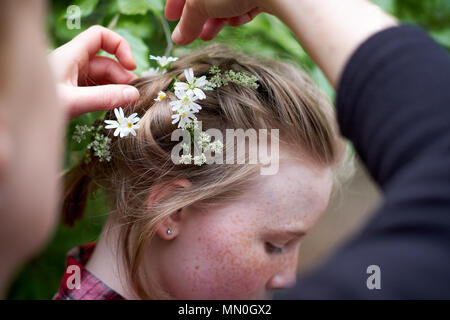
{"points": [[272, 249]]}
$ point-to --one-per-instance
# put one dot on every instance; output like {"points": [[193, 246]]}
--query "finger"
{"points": [[103, 70], [245, 18], [98, 37], [212, 27], [107, 97], [191, 23], [174, 9]]}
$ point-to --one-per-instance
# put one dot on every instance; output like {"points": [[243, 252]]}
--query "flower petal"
{"points": [[135, 120], [199, 93], [116, 112]]}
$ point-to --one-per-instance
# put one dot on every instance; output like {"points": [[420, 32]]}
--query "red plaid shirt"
{"points": [[78, 283]]}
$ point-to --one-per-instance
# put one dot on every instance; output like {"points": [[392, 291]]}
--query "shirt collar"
{"points": [[80, 284]]}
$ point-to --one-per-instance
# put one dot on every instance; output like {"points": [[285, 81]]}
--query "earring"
{"points": [[169, 231]]}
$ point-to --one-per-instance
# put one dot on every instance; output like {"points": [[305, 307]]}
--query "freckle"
{"points": [[196, 267], [199, 238]]}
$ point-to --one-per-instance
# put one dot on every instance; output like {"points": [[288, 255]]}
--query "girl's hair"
{"points": [[141, 166]]}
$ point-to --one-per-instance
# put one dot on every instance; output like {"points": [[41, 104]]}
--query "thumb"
{"points": [[88, 99]]}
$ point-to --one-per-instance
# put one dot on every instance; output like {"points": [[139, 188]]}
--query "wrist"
{"points": [[278, 8]]}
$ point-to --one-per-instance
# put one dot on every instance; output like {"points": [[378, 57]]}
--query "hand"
{"points": [[205, 18], [87, 82], [329, 30]]}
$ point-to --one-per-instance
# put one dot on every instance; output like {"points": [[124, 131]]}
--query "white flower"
{"points": [[153, 72], [131, 124], [163, 62], [186, 102], [186, 159], [123, 125], [204, 139], [116, 123], [199, 160], [183, 116], [186, 147], [161, 96], [193, 85], [216, 146]]}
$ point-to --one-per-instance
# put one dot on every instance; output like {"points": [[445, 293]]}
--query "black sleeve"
{"points": [[393, 103]]}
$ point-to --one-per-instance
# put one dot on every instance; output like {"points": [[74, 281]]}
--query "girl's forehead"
{"points": [[296, 193]]}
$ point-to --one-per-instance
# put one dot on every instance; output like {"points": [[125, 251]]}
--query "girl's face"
{"points": [[249, 248]]}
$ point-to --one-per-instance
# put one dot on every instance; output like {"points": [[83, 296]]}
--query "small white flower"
{"points": [[161, 96], [193, 85], [186, 101], [153, 72], [186, 147], [112, 124], [199, 160], [204, 139], [123, 125], [183, 116], [216, 146], [163, 62], [186, 159], [131, 124]]}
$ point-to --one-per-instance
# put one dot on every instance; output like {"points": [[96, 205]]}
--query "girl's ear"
{"points": [[170, 226]]}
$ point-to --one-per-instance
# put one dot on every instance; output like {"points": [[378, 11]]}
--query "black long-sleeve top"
{"points": [[393, 103]]}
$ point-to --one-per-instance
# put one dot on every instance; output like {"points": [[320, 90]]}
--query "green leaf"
{"points": [[86, 7], [156, 6], [139, 26], [130, 7], [138, 47], [387, 5]]}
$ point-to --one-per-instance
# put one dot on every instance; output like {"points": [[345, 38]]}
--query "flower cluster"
{"points": [[184, 108], [99, 144], [238, 77]]}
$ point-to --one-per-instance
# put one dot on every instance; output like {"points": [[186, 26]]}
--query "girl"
{"points": [[215, 231]]}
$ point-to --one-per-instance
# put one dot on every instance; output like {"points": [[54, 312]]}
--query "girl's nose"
{"points": [[284, 278]]}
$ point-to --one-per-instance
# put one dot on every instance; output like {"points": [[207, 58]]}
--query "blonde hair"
{"points": [[140, 166]]}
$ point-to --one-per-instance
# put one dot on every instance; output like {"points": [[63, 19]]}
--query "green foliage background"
{"points": [[142, 23]]}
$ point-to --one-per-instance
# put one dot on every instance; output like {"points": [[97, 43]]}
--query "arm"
{"points": [[330, 30], [393, 104]]}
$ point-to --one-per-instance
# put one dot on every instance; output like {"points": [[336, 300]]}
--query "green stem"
{"points": [[167, 34]]}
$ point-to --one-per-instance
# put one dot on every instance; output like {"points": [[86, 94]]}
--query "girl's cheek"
{"points": [[233, 267]]}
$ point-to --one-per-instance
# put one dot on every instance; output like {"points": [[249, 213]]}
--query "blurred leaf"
{"points": [[86, 6], [130, 7], [139, 26], [388, 5], [139, 49]]}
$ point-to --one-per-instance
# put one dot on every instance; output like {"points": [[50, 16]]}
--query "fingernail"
{"points": [[131, 94], [177, 36]]}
